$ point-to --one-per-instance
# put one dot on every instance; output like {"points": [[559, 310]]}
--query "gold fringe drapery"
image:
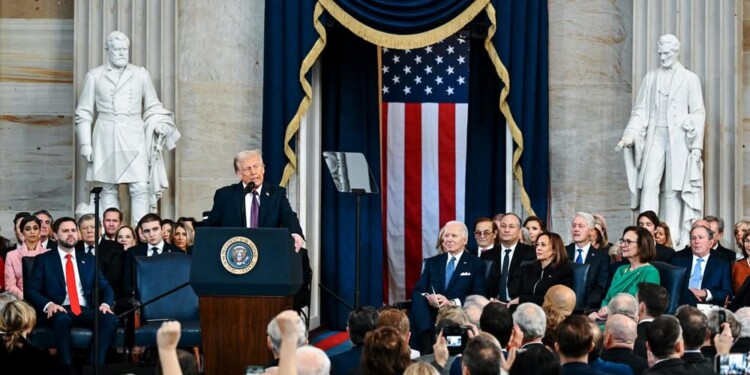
{"points": [[397, 41]]}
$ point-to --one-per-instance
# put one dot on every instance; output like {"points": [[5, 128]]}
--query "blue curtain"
{"points": [[288, 37], [404, 16], [350, 114]]}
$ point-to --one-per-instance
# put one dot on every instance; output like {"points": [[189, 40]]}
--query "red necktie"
{"points": [[70, 279]]}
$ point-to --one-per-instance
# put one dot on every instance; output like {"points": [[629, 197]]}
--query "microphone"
{"points": [[250, 187]]}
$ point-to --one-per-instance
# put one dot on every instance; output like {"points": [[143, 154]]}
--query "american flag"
{"points": [[424, 114]]}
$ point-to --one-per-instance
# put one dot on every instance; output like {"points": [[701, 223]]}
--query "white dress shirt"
{"points": [[703, 270], [159, 246]]}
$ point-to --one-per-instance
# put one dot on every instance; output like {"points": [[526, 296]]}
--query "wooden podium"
{"points": [[243, 278]]}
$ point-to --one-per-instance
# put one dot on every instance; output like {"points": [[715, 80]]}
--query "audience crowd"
{"points": [[520, 302]]}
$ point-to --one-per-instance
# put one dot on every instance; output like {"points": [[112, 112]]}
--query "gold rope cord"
{"points": [[515, 131]]}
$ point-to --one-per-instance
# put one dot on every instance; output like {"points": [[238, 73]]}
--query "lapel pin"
{"points": [[268, 194]]}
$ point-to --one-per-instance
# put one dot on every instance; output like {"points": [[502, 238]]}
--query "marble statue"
{"points": [[663, 142], [131, 130]]}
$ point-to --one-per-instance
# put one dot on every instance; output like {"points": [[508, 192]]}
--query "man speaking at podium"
{"points": [[252, 204]]}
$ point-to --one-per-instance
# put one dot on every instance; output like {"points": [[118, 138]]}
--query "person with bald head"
{"points": [[447, 279], [559, 303], [620, 333]]}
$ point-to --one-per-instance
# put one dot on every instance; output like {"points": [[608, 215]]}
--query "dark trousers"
{"points": [[62, 324]]}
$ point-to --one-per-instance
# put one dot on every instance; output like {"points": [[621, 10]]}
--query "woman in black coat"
{"points": [[550, 268]]}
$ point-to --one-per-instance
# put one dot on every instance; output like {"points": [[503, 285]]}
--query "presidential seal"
{"points": [[239, 255]]}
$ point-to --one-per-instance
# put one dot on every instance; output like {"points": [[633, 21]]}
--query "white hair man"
{"points": [[530, 320], [581, 252], [312, 361], [274, 338]]}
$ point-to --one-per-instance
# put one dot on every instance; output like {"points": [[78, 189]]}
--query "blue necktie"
{"points": [[695, 278], [579, 258], [449, 270]]}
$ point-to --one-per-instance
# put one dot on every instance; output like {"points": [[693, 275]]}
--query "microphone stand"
{"points": [[96, 191]]}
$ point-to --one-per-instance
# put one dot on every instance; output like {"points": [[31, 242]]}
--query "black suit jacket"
{"points": [[717, 277], [675, 366], [626, 357], [275, 211], [535, 281], [48, 281], [664, 253], [702, 363], [725, 253], [521, 254], [110, 256], [468, 278], [345, 363], [598, 259], [140, 250]]}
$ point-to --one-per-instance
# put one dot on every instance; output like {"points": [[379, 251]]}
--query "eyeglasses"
{"points": [[486, 233], [626, 242]]}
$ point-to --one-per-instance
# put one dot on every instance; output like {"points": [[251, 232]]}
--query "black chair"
{"points": [[674, 279], [155, 276], [42, 336], [580, 278]]}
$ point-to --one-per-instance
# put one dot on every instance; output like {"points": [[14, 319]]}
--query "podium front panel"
{"points": [[245, 262]]}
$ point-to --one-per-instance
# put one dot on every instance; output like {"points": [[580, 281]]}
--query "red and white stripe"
{"points": [[424, 159]]}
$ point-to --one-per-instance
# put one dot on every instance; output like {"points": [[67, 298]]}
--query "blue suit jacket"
{"points": [[717, 278], [275, 211], [468, 278], [48, 281]]}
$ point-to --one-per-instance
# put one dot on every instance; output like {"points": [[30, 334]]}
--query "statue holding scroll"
{"points": [[663, 142], [132, 127]]}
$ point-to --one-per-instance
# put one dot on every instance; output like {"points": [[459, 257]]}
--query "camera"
{"points": [[254, 370], [456, 338], [732, 364]]}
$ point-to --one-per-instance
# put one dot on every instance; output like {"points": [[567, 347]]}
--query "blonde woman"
{"points": [[17, 319], [183, 237]]}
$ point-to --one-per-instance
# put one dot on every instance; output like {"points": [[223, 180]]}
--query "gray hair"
{"points": [[116, 35], [86, 217], [531, 319], [586, 216], [669, 39], [473, 306], [464, 228], [718, 221], [713, 322], [625, 304], [312, 361], [743, 317], [275, 334], [242, 155], [5, 298]]}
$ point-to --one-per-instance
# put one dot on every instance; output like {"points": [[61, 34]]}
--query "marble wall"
{"points": [[220, 95], [590, 99], [36, 108]]}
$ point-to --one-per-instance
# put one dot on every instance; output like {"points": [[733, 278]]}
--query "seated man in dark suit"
{"points": [[361, 321], [649, 220], [575, 340], [485, 233], [150, 225], [710, 276], [110, 253], [581, 251], [716, 224], [504, 281], [695, 333], [253, 204], [665, 342], [45, 230], [447, 278], [61, 288], [619, 340]]}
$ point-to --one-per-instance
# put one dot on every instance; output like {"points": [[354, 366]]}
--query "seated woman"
{"points": [[31, 247], [182, 237], [550, 268], [638, 247], [126, 236], [663, 235], [167, 226], [741, 268], [535, 226], [17, 319]]}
